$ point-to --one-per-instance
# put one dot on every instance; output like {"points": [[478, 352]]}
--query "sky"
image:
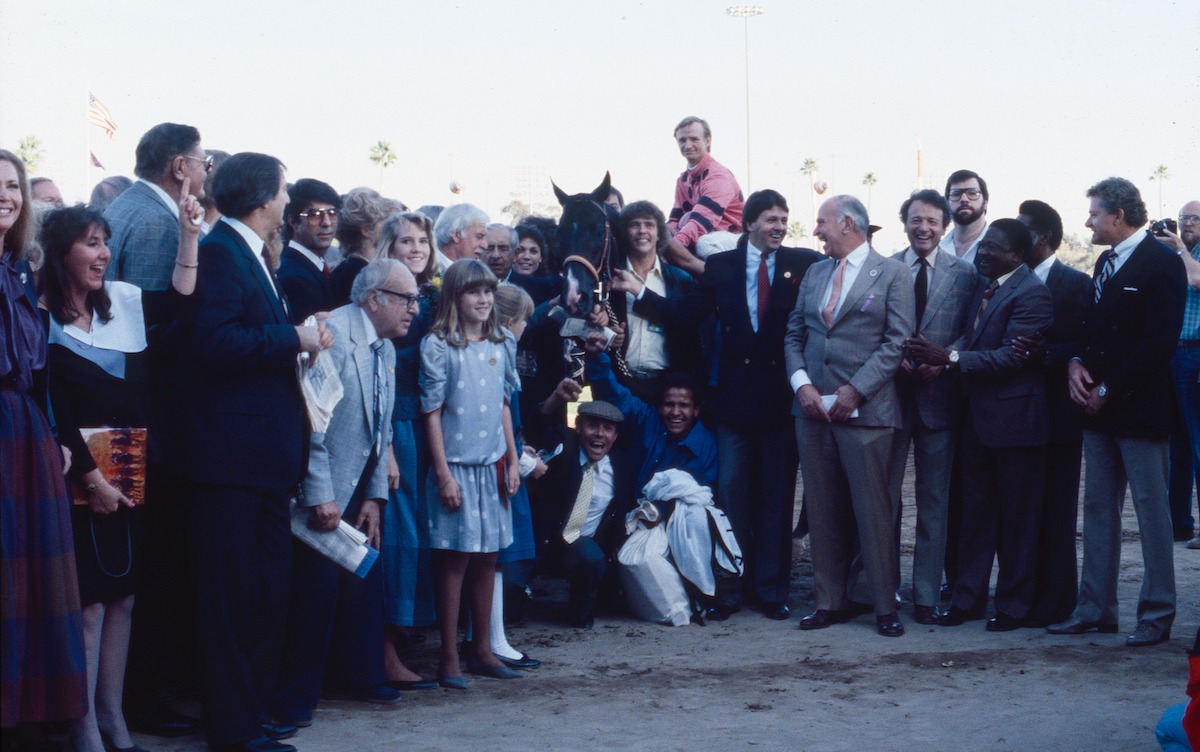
{"points": [[1041, 98]]}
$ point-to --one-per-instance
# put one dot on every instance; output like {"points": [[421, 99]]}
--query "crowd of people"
{"points": [[153, 424]]}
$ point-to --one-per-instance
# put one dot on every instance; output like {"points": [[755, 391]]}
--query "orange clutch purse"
{"points": [[120, 455]]}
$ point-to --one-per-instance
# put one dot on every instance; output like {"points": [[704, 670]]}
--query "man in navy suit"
{"points": [[312, 218], [752, 290], [247, 437], [1056, 576], [1121, 375]]}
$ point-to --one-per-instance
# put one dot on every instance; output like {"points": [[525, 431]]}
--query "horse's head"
{"points": [[587, 247]]}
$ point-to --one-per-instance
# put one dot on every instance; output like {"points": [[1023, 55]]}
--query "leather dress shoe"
{"points": [[1147, 633], [479, 668], [258, 744], [720, 612], [278, 731], [889, 625], [524, 662], [775, 610], [822, 618], [380, 694], [954, 616], [421, 683], [925, 614], [163, 720], [1002, 622], [1075, 626]]}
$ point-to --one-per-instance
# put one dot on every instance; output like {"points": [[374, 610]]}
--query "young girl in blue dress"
{"points": [[468, 376]]}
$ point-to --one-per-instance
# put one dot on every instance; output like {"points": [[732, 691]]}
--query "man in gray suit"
{"points": [[334, 616], [145, 218], [930, 398], [853, 312], [1004, 431]]}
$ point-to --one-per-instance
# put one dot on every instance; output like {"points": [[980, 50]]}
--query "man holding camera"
{"points": [[1185, 370]]}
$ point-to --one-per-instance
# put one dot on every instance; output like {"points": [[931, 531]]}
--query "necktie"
{"points": [[835, 294], [380, 394], [325, 270], [764, 289], [921, 287], [274, 282], [1106, 271], [987, 296], [583, 500]]}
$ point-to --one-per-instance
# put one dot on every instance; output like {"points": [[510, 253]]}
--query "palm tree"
{"points": [[810, 168], [29, 149], [796, 231], [382, 155], [869, 180], [1160, 174]]}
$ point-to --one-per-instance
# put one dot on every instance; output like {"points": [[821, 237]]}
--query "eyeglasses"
{"points": [[314, 216], [1189, 219], [410, 301], [971, 193], [502, 247], [208, 161]]}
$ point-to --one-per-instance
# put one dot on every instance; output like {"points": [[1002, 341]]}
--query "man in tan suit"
{"points": [[843, 346]]}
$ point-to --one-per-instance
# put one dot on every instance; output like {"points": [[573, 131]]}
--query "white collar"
{"points": [[125, 331], [1042, 270], [1126, 246], [910, 257], [250, 236], [858, 256], [313, 258], [170, 203], [372, 335]]}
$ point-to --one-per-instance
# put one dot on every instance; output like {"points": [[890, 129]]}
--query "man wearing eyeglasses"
{"points": [[311, 219], [145, 218], [968, 197], [1185, 367], [334, 616]]}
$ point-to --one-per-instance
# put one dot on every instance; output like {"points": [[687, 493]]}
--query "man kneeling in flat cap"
{"points": [[581, 503]]}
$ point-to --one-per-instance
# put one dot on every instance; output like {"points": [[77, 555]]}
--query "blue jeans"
{"points": [[1185, 443]]}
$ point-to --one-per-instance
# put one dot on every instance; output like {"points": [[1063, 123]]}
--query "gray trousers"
{"points": [[933, 456], [1110, 464]]}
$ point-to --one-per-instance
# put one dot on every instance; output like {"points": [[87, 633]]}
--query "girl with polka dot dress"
{"points": [[468, 375]]}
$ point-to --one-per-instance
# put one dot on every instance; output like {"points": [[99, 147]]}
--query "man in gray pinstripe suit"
{"points": [[930, 401]]}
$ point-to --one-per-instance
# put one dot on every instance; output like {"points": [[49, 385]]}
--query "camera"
{"points": [[1162, 226]]}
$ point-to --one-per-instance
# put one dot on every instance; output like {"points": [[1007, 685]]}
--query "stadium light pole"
{"points": [[746, 12]]}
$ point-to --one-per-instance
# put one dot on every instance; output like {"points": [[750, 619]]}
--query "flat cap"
{"points": [[601, 409]]}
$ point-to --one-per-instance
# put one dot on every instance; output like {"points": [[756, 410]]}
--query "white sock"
{"points": [[500, 644]]}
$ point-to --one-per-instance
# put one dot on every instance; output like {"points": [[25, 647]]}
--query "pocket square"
{"points": [[1129, 289], [870, 299]]}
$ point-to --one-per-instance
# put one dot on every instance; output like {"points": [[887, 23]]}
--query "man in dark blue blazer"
{"points": [[752, 401], [311, 219], [1056, 578], [247, 437], [1120, 374]]}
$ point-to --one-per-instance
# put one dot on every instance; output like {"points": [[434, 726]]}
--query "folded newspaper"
{"points": [[320, 384], [345, 545]]}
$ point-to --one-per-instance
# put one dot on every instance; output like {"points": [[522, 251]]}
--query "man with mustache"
{"points": [[311, 219], [968, 197]]}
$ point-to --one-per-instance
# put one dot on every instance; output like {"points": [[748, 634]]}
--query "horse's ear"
{"points": [[562, 196], [600, 195]]}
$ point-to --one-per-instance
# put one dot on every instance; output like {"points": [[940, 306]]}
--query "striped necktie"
{"points": [[1106, 271], [583, 500]]}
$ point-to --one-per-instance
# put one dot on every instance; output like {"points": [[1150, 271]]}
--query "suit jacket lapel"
{"points": [[1002, 294], [740, 302], [364, 363], [256, 270], [939, 286]]}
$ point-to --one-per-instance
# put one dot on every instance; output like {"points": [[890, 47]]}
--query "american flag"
{"points": [[98, 115]]}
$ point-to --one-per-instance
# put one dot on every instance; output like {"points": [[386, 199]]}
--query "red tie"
{"points": [[764, 289], [325, 270]]}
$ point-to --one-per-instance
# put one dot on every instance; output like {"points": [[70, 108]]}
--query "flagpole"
{"points": [[87, 171]]}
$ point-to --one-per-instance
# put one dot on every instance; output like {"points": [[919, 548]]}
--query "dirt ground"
{"points": [[753, 683]]}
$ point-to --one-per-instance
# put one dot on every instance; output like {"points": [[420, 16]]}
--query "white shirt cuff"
{"points": [[799, 379]]}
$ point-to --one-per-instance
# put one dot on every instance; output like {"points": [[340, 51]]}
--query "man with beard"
{"points": [[968, 197], [1185, 366], [1121, 376], [245, 448], [930, 398], [751, 290], [312, 219], [844, 342]]}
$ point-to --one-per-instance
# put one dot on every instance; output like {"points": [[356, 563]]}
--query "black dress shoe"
{"points": [[822, 618], [277, 731], [776, 611], [889, 625], [1146, 634], [925, 614], [953, 617], [1002, 622], [1075, 626], [720, 612], [163, 720], [259, 744], [524, 662]]}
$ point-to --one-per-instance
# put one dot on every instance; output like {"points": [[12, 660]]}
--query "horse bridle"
{"points": [[603, 277]]}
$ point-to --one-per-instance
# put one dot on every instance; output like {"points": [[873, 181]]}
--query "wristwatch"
{"points": [[1102, 391], [953, 357]]}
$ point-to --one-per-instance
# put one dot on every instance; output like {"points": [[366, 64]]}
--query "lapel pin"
{"points": [[874, 272], [787, 275]]}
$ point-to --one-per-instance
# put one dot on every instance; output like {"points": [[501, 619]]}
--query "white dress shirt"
{"points": [[753, 256], [647, 345], [602, 494], [854, 264], [1125, 248], [947, 244], [256, 246], [910, 259], [1042, 270]]}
